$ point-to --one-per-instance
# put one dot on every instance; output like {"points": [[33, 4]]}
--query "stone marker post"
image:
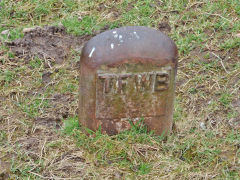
{"points": [[127, 74]]}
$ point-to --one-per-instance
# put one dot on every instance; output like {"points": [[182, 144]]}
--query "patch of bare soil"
{"points": [[235, 122], [34, 142], [113, 12], [50, 42], [53, 45], [61, 107], [40, 138], [62, 158], [4, 169], [164, 27]]}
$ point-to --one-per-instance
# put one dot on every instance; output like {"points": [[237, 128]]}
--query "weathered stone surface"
{"points": [[128, 74]]}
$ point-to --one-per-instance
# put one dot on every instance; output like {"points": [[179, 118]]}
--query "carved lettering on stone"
{"points": [[117, 83]]}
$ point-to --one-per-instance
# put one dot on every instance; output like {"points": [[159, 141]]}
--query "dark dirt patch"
{"points": [[4, 169], [235, 123], [130, 6], [52, 45], [236, 106], [61, 106], [236, 103], [35, 140], [63, 98], [49, 122], [46, 77], [31, 146], [50, 42], [164, 27]]}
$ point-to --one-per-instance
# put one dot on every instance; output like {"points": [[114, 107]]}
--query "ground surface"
{"points": [[39, 133]]}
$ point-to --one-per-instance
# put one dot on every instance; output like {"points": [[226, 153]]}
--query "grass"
{"points": [[39, 132]]}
